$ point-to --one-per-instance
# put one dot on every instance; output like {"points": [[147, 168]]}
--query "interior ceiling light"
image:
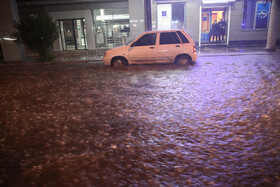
{"points": [[217, 1]]}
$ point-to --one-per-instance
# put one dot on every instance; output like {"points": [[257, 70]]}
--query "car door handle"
{"points": [[152, 47], [177, 46]]}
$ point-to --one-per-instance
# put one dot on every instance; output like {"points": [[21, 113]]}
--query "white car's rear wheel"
{"points": [[182, 60]]}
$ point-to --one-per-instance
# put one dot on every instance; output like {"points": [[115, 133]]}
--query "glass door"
{"points": [[69, 35], [73, 34]]}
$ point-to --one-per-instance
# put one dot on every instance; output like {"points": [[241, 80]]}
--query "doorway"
{"points": [[73, 34], [214, 25]]}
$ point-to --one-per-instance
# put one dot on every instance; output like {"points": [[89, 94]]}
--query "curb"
{"points": [[236, 54], [2, 64]]}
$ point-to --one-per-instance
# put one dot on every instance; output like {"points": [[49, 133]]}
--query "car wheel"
{"points": [[182, 60], [118, 62]]}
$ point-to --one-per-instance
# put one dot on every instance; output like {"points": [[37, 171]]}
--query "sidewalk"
{"points": [[202, 52], [234, 50]]}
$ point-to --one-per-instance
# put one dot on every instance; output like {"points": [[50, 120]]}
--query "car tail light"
{"points": [[194, 49]]}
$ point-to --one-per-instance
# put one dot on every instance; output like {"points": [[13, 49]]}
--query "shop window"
{"points": [[111, 27], [73, 34], [148, 39], [255, 14], [171, 16], [169, 38]]}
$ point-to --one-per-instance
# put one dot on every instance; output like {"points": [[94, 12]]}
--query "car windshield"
{"points": [[129, 42]]}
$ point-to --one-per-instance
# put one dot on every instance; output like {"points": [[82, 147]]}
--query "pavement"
{"points": [[204, 51]]}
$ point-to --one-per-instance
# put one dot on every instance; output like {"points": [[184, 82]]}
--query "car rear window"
{"points": [[183, 37], [169, 38]]}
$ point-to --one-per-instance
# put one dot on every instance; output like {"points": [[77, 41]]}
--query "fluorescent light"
{"points": [[111, 17], [217, 1], [9, 39]]}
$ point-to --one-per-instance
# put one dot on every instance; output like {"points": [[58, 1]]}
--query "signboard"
{"points": [[262, 13], [164, 16]]}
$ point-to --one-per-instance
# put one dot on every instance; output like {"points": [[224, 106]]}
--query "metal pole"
{"points": [[199, 31], [228, 25]]}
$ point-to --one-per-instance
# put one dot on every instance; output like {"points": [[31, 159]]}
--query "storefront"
{"points": [[91, 26], [96, 26]]}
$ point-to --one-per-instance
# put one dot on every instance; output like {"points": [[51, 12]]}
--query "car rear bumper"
{"points": [[194, 56]]}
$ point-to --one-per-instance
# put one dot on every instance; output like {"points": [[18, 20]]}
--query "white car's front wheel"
{"points": [[118, 61]]}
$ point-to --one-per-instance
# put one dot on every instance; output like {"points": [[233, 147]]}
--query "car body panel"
{"points": [[142, 55]]}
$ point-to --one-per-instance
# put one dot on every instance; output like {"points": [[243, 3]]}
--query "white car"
{"points": [[170, 46]]}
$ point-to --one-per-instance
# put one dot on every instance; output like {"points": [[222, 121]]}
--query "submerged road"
{"points": [[215, 122]]}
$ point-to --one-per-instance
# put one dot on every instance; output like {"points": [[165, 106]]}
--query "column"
{"points": [[273, 24], [136, 17]]}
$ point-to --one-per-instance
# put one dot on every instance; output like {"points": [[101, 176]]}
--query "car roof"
{"points": [[163, 31]]}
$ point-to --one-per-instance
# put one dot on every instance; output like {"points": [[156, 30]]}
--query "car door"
{"points": [[169, 47], [144, 50]]}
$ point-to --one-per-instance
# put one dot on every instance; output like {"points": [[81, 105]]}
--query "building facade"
{"points": [[97, 25]]}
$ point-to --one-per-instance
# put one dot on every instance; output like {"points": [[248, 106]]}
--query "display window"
{"points": [[255, 14], [73, 34], [111, 27], [171, 16]]}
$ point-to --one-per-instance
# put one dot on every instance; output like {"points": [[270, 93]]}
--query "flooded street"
{"points": [[213, 123]]}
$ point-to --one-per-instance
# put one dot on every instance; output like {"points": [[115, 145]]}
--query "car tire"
{"points": [[183, 60], [118, 61]]}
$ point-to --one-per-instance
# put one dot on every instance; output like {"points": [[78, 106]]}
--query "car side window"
{"points": [[147, 39], [183, 37], [169, 38]]}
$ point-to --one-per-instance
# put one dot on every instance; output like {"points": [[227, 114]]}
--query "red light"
{"points": [[194, 49]]}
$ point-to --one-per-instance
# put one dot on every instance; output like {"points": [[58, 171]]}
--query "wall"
{"points": [[193, 19], [237, 35]]}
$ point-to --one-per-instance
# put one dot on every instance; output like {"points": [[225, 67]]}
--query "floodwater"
{"points": [[213, 123]]}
